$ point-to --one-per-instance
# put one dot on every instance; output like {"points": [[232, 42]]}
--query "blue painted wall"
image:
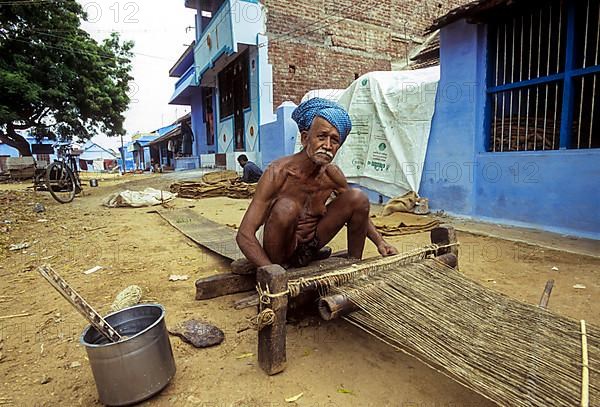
{"points": [[556, 189], [5, 149], [452, 141], [198, 125], [129, 161], [551, 190], [252, 115], [278, 138]]}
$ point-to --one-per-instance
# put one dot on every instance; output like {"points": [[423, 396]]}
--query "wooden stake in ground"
{"points": [[444, 235], [79, 303], [546, 294], [272, 282]]}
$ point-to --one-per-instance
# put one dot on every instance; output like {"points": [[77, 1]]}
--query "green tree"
{"points": [[55, 79]]}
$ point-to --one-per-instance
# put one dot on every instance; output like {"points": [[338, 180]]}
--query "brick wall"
{"points": [[318, 44]]}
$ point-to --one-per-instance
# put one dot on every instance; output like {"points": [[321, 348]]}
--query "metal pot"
{"points": [[137, 367], [93, 182]]}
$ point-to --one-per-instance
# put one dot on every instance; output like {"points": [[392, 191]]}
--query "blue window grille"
{"points": [[543, 77]]}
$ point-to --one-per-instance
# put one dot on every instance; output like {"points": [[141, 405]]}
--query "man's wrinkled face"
{"points": [[321, 142]]}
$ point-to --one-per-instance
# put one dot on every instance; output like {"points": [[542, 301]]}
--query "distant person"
{"points": [[187, 139], [251, 171]]}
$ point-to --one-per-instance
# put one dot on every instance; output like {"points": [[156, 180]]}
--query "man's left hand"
{"points": [[386, 249]]}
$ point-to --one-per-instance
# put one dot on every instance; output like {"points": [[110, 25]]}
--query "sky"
{"points": [[158, 29]]}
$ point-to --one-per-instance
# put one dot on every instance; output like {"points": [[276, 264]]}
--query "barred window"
{"points": [[543, 64]]}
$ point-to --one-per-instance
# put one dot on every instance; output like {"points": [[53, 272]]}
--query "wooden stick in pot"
{"points": [[79, 303]]}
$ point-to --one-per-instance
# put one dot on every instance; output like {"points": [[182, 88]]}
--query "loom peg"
{"points": [[442, 235], [271, 338], [546, 294]]}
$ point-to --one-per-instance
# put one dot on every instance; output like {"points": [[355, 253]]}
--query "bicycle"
{"points": [[61, 178]]}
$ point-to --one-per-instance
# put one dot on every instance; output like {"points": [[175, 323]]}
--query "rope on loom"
{"points": [[263, 318], [266, 316], [345, 275]]}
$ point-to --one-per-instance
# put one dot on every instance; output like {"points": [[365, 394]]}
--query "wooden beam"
{"points": [[224, 284], [449, 259], [244, 266], [271, 338], [231, 283]]}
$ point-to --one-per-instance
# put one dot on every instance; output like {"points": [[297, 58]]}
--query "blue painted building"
{"points": [[126, 152], [141, 151], [516, 130], [92, 156], [225, 77], [95, 158], [8, 151]]}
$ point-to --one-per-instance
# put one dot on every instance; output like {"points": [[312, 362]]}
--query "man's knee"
{"points": [[357, 199]]}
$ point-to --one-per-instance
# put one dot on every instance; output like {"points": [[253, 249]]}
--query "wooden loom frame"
{"points": [[274, 279]]}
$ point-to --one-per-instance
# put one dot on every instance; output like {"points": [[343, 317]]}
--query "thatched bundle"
{"points": [[219, 183], [510, 352]]}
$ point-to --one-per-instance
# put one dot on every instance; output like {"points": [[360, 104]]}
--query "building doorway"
{"points": [[235, 97]]}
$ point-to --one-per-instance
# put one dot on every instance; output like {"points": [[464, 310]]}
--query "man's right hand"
{"points": [[386, 249]]}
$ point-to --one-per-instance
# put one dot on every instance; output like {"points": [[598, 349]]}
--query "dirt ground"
{"points": [[332, 364]]}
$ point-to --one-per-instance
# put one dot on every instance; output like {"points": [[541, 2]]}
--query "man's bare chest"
{"points": [[310, 194]]}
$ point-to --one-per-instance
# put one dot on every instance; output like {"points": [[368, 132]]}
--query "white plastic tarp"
{"points": [[391, 116], [331, 94], [137, 199]]}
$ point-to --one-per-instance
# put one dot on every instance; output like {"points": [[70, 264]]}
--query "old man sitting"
{"points": [[292, 199]]}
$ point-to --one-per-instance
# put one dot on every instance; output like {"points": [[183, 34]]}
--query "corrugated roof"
{"points": [[469, 10], [164, 130], [89, 144], [176, 131], [145, 140], [428, 54]]}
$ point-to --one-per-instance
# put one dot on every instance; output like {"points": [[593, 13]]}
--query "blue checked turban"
{"points": [[334, 113]]}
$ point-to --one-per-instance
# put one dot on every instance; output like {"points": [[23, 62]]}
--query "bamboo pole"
{"points": [[25, 314], [585, 371]]}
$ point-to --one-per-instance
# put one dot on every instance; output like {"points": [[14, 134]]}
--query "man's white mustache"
{"points": [[320, 151]]}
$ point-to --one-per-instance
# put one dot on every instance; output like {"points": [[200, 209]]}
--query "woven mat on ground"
{"points": [[220, 183], [217, 177], [402, 223]]}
